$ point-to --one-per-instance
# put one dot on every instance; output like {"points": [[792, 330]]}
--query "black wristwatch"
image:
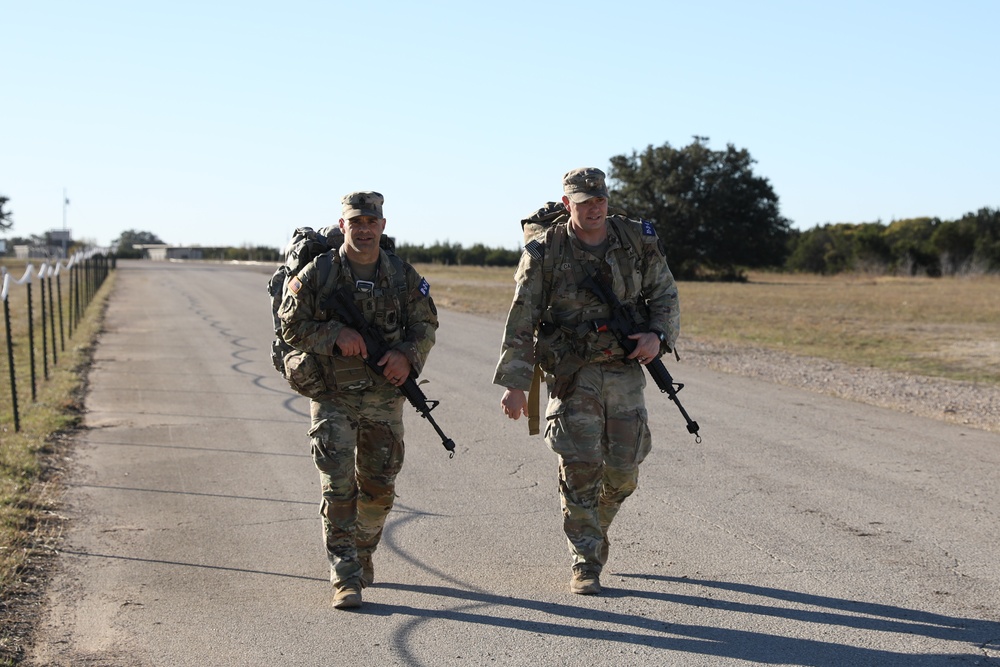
{"points": [[659, 334]]}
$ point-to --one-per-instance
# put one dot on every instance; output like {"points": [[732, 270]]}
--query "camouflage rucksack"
{"points": [[306, 245]]}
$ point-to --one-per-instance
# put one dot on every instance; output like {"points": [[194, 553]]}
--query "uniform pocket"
{"points": [[575, 434], [304, 375], [629, 441], [346, 373]]}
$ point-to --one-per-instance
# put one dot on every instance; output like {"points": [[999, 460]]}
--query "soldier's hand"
{"points": [[514, 403], [395, 367], [647, 347], [351, 343]]}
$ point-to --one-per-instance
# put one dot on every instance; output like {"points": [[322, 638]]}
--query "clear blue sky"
{"points": [[231, 123]]}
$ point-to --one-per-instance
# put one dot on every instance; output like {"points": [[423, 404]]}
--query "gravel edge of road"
{"points": [[967, 403]]}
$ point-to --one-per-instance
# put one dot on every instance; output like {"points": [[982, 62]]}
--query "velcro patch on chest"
{"points": [[425, 287], [294, 285], [647, 228]]}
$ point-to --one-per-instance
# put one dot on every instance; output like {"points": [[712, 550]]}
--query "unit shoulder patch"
{"points": [[535, 248]]}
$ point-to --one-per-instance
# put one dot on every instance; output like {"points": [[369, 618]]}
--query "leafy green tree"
{"points": [[714, 214], [5, 216], [413, 254], [870, 249], [474, 256], [130, 238], [825, 249], [955, 243], [248, 253], [970, 244], [503, 257], [987, 237], [910, 246], [445, 253]]}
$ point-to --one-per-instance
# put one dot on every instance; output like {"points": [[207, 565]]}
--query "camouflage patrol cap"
{"points": [[584, 183], [365, 202]]}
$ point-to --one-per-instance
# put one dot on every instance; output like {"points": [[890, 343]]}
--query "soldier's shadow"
{"points": [[763, 647]]}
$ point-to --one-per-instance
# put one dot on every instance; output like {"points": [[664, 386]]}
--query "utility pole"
{"points": [[65, 204]]}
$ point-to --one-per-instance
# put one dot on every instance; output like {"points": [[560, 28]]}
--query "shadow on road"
{"points": [[758, 647]]}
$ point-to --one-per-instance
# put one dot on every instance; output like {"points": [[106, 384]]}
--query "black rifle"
{"points": [[623, 322], [344, 306]]}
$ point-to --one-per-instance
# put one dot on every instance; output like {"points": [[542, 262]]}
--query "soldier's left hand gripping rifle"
{"points": [[344, 306], [623, 322]]}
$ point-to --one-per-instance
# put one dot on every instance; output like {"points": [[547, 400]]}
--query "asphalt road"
{"points": [[803, 530]]}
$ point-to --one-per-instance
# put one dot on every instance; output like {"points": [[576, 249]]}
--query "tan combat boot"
{"points": [[347, 595], [585, 582]]}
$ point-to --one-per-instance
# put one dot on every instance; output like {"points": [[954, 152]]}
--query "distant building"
{"points": [[36, 251], [162, 251], [59, 236], [58, 242]]}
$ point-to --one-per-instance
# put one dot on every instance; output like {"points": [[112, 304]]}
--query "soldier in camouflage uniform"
{"points": [[357, 425], [596, 415]]}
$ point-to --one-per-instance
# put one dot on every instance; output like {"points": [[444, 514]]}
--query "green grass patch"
{"points": [[33, 459]]}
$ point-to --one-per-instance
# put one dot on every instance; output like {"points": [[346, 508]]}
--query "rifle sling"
{"points": [[533, 401]]}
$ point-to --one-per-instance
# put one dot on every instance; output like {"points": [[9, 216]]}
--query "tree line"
{"points": [[915, 246], [718, 219]]}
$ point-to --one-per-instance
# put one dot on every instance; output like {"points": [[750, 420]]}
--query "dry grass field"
{"points": [[940, 327], [947, 327], [32, 459]]}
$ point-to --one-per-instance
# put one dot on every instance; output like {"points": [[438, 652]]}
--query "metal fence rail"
{"points": [[85, 272]]}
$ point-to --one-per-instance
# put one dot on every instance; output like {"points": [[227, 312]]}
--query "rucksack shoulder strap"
{"points": [[554, 242], [398, 282], [328, 268], [634, 234], [630, 229]]}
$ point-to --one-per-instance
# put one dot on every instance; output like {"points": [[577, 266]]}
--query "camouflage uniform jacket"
{"points": [[402, 310], [638, 275]]}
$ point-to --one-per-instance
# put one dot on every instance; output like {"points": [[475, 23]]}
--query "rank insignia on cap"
{"points": [[294, 285], [648, 229], [425, 287]]}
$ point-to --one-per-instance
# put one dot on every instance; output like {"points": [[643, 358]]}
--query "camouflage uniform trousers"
{"points": [[601, 435], [357, 446]]}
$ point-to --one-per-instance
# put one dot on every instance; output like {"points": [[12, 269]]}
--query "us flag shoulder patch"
{"points": [[647, 228], [294, 285], [535, 249], [425, 287]]}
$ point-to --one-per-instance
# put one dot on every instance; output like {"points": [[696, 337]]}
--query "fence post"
{"points": [[52, 317], [62, 335], [31, 341], [10, 356], [45, 324]]}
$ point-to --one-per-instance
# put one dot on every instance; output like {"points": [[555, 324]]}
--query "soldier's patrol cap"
{"points": [[365, 202], [583, 184]]}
